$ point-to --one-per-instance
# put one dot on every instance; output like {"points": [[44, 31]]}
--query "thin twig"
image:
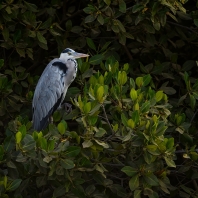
{"points": [[193, 116], [182, 26], [109, 164], [106, 118], [183, 151]]}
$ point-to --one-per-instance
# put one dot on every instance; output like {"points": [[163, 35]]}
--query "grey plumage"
{"points": [[52, 87]]}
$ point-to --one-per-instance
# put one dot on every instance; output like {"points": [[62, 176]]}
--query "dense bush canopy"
{"points": [[132, 131]]}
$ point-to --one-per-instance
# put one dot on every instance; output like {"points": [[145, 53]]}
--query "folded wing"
{"points": [[49, 93]]}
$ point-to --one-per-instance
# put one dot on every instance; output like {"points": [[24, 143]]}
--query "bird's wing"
{"points": [[49, 93]]}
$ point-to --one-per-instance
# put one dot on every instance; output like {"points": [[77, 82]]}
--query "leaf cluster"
{"points": [[133, 129]]}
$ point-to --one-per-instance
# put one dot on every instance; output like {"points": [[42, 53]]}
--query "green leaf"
{"points": [[96, 59], [196, 22], [72, 151], [131, 123], [192, 101], [168, 90], [91, 43], [122, 77], [139, 81], [18, 137], [124, 119], [92, 120], [5, 33], [89, 9], [149, 28], [17, 36], [145, 107], [46, 24], [159, 95], [43, 143], [41, 181], [87, 107], [89, 18], [105, 46], [100, 19], [100, 93], [21, 52], [9, 143], [146, 80], [122, 6], [170, 143], [62, 126], [130, 171], [137, 194], [151, 180], [137, 7], [133, 94], [170, 162], [121, 26], [108, 2], [188, 65], [134, 182], [90, 189], [58, 192], [100, 132], [103, 144], [47, 159], [23, 130], [76, 29], [135, 116], [60, 170], [50, 145], [31, 7], [5, 181], [28, 143], [14, 185], [87, 144], [41, 38], [156, 25], [67, 163]]}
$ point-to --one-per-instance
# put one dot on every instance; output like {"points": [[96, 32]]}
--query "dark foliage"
{"points": [[133, 128]]}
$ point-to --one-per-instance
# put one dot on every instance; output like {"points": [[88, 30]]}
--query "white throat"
{"points": [[64, 57]]}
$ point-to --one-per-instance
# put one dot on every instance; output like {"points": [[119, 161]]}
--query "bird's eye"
{"points": [[69, 53]]}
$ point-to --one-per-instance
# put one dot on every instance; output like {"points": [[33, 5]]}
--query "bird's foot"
{"points": [[67, 107]]}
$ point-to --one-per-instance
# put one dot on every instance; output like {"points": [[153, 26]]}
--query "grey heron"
{"points": [[52, 87]]}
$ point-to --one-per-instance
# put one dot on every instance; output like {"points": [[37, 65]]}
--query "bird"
{"points": [[52, 87]]}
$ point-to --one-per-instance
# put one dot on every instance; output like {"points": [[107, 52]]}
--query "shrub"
{"points": [[132, 131]]}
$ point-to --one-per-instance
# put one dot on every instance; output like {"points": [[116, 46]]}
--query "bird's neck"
{"points": [[63, 58]]}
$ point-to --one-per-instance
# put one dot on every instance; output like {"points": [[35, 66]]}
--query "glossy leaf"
{"points": [[134, 182], [91, 43], [14, 185], [41, 38], [130, 171], [133, 94], [67, 163], [96, 59]]}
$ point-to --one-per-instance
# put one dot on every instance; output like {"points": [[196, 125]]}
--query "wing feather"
{"points": [[48, 94]]}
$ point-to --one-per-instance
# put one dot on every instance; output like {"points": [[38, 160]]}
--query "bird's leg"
{"points": [[51, 119], [67, 107]]}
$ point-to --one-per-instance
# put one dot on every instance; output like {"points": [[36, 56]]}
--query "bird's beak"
{"points": [[79, 55]]}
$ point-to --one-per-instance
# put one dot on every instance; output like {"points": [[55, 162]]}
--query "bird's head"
{"points": [[69, 53]]}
